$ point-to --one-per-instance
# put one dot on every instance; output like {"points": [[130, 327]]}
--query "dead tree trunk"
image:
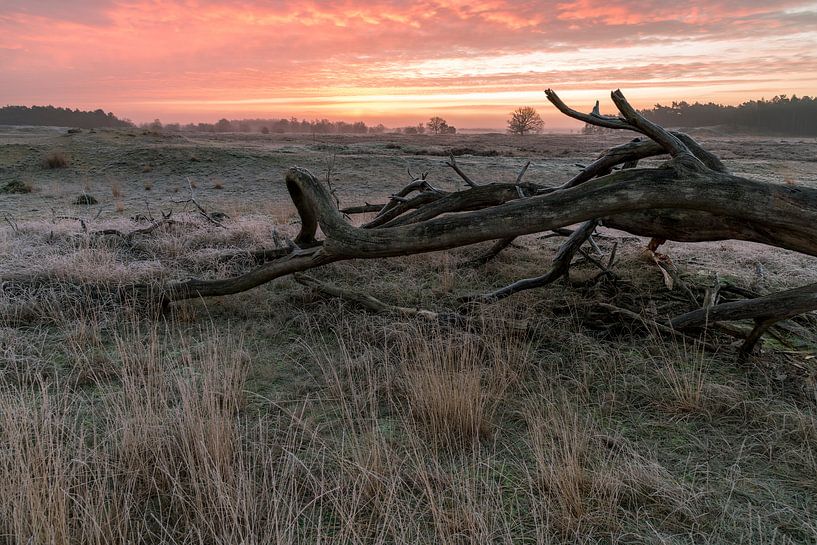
{"points": [[691, 197]]}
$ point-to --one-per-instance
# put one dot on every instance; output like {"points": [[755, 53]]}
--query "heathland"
{"points": [[281, 415]]}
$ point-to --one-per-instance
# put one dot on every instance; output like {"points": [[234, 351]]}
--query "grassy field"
{"points": [[281, 416]]}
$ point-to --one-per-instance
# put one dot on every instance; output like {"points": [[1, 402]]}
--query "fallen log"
{"points": [[690, 198], [778, 215]]}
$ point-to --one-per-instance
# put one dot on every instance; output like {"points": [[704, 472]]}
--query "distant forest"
{"points": [[59, 117], [781, 115]]}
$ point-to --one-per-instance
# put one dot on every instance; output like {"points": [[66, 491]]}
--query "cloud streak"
{"points": [[395, 60]]}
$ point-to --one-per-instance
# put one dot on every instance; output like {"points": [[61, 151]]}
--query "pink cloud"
{"points": [[143, 58]]}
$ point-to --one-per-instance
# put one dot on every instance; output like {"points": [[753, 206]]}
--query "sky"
{"points": [[398, 62]]}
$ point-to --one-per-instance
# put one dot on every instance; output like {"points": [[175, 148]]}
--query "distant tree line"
{"points": [[780, 115], [59, 117], [413, 129], [275, 126], [436, 125]]}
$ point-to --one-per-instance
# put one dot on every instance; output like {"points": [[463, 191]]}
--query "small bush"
{"points": [[56, 159], [17, 186]]}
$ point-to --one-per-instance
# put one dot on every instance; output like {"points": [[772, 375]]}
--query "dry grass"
{"points": [[454, 384], [276, 416], [589, 478], [118, 197], [116, 191], [686, 384], [56, 159], [20, 187], [164, 459]]}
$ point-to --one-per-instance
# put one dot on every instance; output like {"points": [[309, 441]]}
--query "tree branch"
{"points": [[560, 267]]}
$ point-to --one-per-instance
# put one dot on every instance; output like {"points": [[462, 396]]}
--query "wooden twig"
{"points": [[612, 261], [364, 208], [605, 269], [674, 146], [560, 267], [495, 249], [522, 173], [599, 120], [332, 190], [452, 162], [761, 327], [12, 223], [376, 305], [199, 207], [72, 218]]}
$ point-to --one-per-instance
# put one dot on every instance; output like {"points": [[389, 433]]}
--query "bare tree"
{"points": [[525, 120], [437, 125]]}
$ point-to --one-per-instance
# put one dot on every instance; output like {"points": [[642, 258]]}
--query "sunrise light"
{"points": [[396, 61]]}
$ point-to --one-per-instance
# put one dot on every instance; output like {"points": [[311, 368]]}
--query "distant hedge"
{"points": [[59, 117]]}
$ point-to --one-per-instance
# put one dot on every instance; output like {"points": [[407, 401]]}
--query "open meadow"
{"points": [[284, 415]]}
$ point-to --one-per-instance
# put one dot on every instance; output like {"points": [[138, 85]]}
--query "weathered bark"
{"points": [[391, 212], [697, 226], [362, 209], [765, 311], [477, 198], [777, 306], [779, 215]]}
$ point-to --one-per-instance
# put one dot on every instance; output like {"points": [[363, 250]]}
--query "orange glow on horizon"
{"points": [[397, 61]]}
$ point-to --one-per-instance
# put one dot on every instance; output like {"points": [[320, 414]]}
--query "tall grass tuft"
{"points": [[56, 159]]}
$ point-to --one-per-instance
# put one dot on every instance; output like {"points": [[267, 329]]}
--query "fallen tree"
{"points": [[691, 197]]}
